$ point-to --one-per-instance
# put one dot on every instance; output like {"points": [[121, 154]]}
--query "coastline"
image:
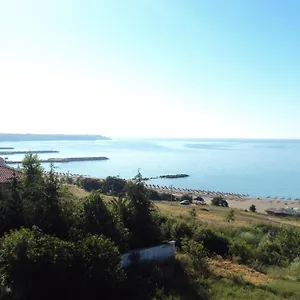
{"points": [[238, 201]]}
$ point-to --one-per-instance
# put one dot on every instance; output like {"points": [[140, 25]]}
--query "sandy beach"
{"points": [[242, 202], [235, 200]]}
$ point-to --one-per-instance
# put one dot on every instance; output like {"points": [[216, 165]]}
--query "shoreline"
{"points": [[235, 200], [27, 152], [62, 160], [238, 201]]}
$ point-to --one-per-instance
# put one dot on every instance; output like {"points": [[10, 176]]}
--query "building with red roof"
{"points": [[6, 174]]}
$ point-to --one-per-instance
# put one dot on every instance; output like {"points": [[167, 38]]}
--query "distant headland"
{"points": [[62, 160], [12, 137]]}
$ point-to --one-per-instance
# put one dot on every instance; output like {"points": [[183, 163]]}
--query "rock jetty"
{"points": [[174, 176], [26, 152], [169, 176], [62, 160]]}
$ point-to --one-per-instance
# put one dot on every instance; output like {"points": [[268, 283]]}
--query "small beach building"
{"points": [[283, 212], [6, 174]]}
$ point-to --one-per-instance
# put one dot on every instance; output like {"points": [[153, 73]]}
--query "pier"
{"points": [[62, 160], [26, 152]]}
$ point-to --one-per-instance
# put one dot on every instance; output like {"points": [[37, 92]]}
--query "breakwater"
{"points": [[62, 160], [169, 176], [26, 152]]}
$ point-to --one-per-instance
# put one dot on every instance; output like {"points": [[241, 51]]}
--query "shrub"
{"points": [[196, 250], [193, 213], [252, 208], [219, 201], [181, 230], [231, 216], [90, 184], [114, 185], [243, 251], [214, 242], [39, 266]]}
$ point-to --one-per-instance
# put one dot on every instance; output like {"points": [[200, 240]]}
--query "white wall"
{"points": [[158, 253]]}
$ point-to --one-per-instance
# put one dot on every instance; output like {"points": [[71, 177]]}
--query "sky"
{"points": [[151, 68]]}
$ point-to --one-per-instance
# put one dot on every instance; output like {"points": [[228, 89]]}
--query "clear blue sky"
{"points": [[152, 68]]}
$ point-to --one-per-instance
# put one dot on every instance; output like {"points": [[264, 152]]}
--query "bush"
{"points": [[181, 230], [193, 213], [252, 208], [90, 184], [219, 201], [214, 242], [196, 250], [243, 251], [113, 185], [39, 266]]}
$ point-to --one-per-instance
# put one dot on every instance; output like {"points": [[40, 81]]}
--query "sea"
{"points": [[259, 168]]}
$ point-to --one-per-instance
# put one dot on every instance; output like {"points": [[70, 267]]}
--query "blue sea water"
{"points": [[254, 167]]}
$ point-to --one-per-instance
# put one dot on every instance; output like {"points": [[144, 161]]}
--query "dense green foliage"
{"points": [[111, 185], [54, 246], [36, 265], [219, 201]]}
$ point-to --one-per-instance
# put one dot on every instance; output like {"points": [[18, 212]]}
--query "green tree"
{"points": [[11, 206], [144, 231], [39, 266], [113, 185], [252, 208], [52, 222], [102, 272], [123, 208], [34, 265], [90, 184], [97, 219], [33, 172], [33, 191]]}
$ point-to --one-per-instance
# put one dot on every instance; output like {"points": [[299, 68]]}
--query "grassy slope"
{"points": [[229, 280], [216, 216]]}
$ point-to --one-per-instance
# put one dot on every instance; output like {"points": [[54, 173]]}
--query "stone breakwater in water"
{"points": [[26, 152], [63, 160], [169, 176]]}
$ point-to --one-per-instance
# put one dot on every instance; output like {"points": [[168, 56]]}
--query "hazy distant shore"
{"points": [[11, 137]]}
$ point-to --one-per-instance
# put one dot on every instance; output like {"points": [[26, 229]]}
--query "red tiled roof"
{"points": [[6, 173]]}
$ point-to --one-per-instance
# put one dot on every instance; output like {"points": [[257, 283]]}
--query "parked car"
{"points": [[199, 202], [185, 202]]}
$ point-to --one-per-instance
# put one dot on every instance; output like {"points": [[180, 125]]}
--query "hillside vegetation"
{"points": [[62, 241]]}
